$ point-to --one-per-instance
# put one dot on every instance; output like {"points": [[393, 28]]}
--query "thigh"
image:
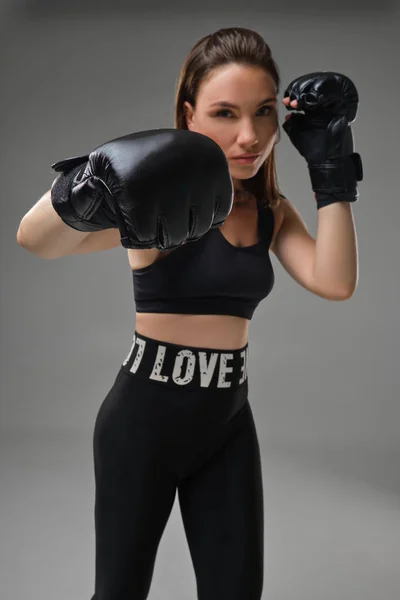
{"points": [[222, 511], [134, 495]]}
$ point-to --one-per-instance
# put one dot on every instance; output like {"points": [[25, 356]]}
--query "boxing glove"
{"points": [[323, 135], [160, 188]]}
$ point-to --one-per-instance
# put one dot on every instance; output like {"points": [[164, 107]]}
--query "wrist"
{"points": [[326, 199]]}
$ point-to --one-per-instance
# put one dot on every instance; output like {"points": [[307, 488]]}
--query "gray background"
{"points": [[324, 376]]}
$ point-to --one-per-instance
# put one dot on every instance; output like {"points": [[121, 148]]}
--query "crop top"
{"points": [[209, 276]]}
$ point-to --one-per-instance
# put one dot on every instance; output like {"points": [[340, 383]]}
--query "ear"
{"points": [[189, 114]]}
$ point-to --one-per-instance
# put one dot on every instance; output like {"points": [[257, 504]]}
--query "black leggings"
{"points": [[177, 418]]}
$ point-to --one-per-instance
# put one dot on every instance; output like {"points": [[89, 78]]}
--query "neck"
{"points": [[242, 196]]}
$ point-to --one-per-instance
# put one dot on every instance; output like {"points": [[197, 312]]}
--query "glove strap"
{"points": [[336, 181], [67, 191], [66, 165], [60, 193]]}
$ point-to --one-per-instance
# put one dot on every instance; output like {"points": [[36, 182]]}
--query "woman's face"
{"points": [[237, 108]]}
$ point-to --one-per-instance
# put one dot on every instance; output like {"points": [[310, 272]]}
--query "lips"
{"points": [[246, 156], [246, 159]]}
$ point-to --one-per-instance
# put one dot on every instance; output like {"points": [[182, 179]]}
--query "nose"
{"points": [[247, 135]]}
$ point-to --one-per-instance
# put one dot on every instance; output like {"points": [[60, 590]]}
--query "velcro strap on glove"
{"points": [[64, 166], [92, 215], [338, 176]]}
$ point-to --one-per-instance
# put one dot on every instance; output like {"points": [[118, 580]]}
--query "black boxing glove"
{"points": [[83, 212], [161, 188], [323, 135]]}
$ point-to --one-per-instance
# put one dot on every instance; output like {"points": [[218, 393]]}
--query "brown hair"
{"points": [[227, 46]]}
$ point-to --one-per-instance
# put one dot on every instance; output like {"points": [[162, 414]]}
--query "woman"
{"points": [[177, 417]]}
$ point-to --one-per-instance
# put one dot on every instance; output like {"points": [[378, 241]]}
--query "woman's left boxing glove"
{"points": [[323, 135]]}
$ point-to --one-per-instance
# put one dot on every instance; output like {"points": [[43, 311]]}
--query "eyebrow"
{"points": [[230, 105]]}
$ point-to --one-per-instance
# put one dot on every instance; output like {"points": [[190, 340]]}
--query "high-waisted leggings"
{"points": [[177, 419]]}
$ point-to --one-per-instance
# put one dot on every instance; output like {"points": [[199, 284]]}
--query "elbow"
{"points": [[342, 295], [23, 244], [337, 292], [20, 239], [349, 294], [350, 290]]}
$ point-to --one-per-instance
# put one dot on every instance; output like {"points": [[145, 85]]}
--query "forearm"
{"points": [[43, 233], [336, 255]]}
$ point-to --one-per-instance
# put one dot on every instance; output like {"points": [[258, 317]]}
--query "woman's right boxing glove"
{"points": [[161, 188]]}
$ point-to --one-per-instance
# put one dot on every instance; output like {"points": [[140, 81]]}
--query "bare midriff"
{"points": [[223, 332]]}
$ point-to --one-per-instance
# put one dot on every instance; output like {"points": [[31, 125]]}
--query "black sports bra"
{"points": [[209, 276]]}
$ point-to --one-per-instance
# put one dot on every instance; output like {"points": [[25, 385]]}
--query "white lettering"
{"points": [[243, 368], [130, 351], [139, 355], [207, 370], [158, 365], [224, 369], [177, 377]]}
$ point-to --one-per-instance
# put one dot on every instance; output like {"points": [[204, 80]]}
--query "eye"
{"points": [[268, 108], [265, 111], [220, 113]]}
